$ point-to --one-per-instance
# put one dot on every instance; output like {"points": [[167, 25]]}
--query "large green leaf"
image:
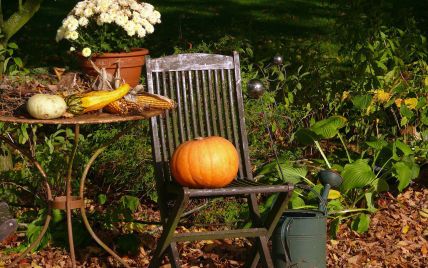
{"points": [[357, 175], [403, 147], [328, 128], [362, 102], [405, 172], [361, 223], [292, 174], [305, 136], [377, 143]]}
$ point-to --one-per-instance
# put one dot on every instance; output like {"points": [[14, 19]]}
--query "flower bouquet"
{"points": [[102, 30]]}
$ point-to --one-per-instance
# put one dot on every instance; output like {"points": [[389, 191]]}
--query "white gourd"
{"points": [[45, 106]]}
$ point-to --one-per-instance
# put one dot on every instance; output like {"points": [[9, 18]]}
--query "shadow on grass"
{"points": [[190, 22]]}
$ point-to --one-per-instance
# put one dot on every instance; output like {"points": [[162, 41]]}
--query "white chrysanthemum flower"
{"points": [[149, 7], [86, 52], [124, 3], [144, 23], [83, 21], [114, 7], [105, 18], [60, 34], [103, 5], [135, 6], [121, 20], [157, 14], [71, 23], [72, 49], [149, 28], [71, 35], [152, 19], [141, 32], [130, 28], [144, 13], [79, 12], [88, 12], [81, 5]]}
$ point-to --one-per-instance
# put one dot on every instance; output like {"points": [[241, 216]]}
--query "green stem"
{"points": [[18, 19], [349, 211], [344, 146], [322, 153]]}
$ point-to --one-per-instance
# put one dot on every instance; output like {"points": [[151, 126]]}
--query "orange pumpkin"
{"points": [[209, 162]]}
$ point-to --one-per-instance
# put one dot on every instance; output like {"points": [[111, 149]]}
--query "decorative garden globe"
{"points": [[255, 88], [278, 60]]}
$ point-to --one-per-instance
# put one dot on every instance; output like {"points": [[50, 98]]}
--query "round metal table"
{"points": [[71, 202]]}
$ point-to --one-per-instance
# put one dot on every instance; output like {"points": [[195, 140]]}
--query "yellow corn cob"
{"points": [[140, 104], [94, 100], [154, 101]]}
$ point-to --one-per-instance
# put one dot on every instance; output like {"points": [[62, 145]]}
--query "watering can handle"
{"points": [[323, 199], [285, 244]]}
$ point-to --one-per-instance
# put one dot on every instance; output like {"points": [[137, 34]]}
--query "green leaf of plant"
{"points": [[296, 201], [305, 136], [292, 174], [369, 201], [328, 128], [404, 148], [361, 223], [334, 227], [362, 102], [380, 185], [356, 175], [405, 172], [377, 144], [129, 202], [102, 199]]}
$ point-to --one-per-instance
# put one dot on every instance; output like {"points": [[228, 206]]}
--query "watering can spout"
{"points": [[330, 179]]}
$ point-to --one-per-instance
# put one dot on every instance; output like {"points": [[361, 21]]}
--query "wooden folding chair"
{"points": [[207, 89]]}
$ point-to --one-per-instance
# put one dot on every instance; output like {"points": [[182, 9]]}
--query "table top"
{"points": [[93, 118]]}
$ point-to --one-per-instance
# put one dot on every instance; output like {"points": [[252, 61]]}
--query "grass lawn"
{"points": [[186, 22]]}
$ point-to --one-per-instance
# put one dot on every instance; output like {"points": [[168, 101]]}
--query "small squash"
{"points": [[46, 106], [94, 100], [210, 162]]}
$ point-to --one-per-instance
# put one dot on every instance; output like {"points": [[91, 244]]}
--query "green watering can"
{"points": [[300, 237]]}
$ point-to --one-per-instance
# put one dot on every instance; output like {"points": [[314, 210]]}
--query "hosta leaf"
{"points": [[361, 223], [405, 172], [377, 144], [296, 201], [334, 227], [305, 136], [369, 201], [292, 174], [380, 185], [333, 194], [328, 128], [403, 147], [357, 175], [362, 102]]}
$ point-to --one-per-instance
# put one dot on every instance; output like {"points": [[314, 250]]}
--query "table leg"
{"points": [[28, 155], [68, 196], [82, 192]]}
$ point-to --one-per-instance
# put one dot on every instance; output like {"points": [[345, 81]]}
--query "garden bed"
{"points": [[397, 238]]}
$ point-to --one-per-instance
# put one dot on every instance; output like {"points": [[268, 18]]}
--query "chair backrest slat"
{"points": [[207, 89]]}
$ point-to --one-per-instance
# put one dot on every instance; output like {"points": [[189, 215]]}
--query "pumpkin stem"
{"points": [[199, 138]]}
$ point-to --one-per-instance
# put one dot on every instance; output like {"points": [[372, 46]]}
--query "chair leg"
{"points": [[272, 220], [168, 230], [173, 255]]}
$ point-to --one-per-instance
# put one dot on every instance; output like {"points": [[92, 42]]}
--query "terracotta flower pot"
{"points": [[131, 64]]}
